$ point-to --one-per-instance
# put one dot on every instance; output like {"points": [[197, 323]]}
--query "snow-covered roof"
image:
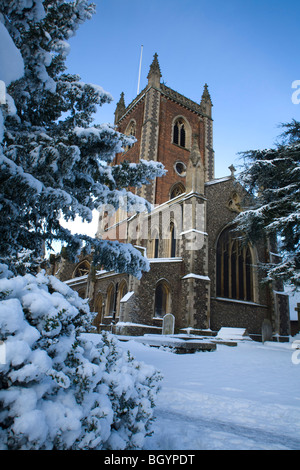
{"points": [[127, 296], [218, 180]]}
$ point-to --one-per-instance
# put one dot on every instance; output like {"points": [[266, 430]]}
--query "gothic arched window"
{"points": [[155, 245], [176, 190], [179, 133], [98, 308], [122, 290], [234, 268], [82, 269], [110, 301], [162, 299], [131, 131]]}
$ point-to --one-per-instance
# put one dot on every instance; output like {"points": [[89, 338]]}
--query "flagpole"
{"points": [[138, 87]]}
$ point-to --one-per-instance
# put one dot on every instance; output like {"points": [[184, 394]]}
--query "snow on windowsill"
{"points": [[246, 302], [123, 323], [219, 180], [193, 230], [75, 280], [164, 260], [196, 276]]}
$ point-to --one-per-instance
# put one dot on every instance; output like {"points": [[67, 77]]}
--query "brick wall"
{"points": [[168, 153]]}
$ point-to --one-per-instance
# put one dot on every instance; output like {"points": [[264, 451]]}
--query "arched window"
{"points": [[234, 267], [98, 308], [110, 301], [154, 244], [162, 299], [130, 130], [179, 132], [82, 269], [122, 290], [176, 190]]}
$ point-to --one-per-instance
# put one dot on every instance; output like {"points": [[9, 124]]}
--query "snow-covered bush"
{"points": [[61, 387]]}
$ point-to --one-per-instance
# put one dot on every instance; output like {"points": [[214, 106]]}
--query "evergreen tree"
{"points": [[54, 162], [272, 178], [59, 387]]}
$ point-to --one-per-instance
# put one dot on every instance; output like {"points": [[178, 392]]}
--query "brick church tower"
{"points": [[167, 125]]}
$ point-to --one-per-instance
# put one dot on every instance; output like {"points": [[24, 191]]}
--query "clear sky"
{"points": [[247, 51]]}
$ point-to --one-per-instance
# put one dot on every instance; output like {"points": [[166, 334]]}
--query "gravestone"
{"points": [[266, 331], [168, 324]]}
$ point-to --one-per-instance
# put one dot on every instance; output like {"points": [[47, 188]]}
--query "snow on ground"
{"points": [[235, 398]]}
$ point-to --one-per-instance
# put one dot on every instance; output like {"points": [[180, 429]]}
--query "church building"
{"points": [[200, 270]]}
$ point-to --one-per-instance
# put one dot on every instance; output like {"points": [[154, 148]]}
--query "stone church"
{"points": [[200, 270]]}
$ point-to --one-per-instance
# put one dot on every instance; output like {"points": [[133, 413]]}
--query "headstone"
{"points": [[168, 324], [266, 331]]}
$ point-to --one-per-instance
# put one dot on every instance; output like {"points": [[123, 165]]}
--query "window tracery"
{"points": [[179, 133], [234, 203], [82, 269], [234, 268], [176, 190]]}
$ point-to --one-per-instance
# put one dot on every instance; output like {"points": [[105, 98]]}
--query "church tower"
{"points": [[167, 125]]}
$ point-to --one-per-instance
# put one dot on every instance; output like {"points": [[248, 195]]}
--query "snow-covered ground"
{"points": [[235, 398]]}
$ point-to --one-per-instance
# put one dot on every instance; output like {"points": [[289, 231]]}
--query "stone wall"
{"points": [[234, 313], [171, 272]]}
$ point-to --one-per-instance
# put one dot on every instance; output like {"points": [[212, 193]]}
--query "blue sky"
{"points": [[247, 51]]}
